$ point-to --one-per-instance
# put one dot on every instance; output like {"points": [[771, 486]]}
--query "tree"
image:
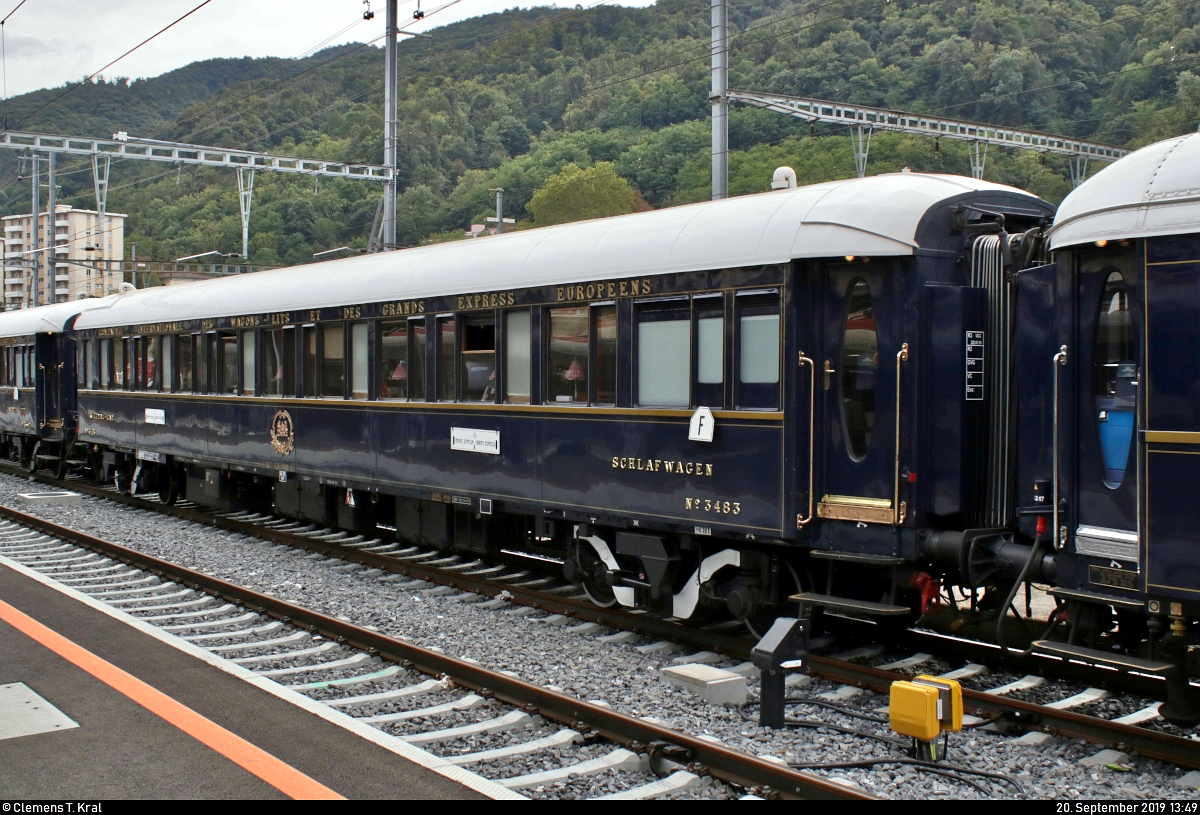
{"points": [[576, 194]]}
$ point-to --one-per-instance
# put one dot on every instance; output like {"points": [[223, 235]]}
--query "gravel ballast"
{"points": [[615, 675]]}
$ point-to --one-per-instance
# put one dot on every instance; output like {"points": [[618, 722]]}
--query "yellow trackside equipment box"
{"points": [[925, 707]]}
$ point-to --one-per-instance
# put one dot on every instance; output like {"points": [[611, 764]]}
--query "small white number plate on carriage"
{"points": [[475, 441], [146, 455], [155, 416]]}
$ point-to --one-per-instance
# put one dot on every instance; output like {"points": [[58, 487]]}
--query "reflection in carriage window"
{"points": [[105, 363], [478, 357], [333, 361], [80, 364], [664, 353], [860, 367], [279, 356], [358, 361], [393, 359], [249, 383], [758, 351], [445, 359], [167, 377], [186, 350], [118, 354], [567, 360], [226, 362], [1114, 378], [517, 362], [310, 360], [20, 383], [150, 372], [709, 388], [416, 359], [604, 329]]}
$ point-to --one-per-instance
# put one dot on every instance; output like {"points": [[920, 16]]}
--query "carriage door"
{"points": [[856, 375], [1171, 407], [1107, 382], [48, 380]]}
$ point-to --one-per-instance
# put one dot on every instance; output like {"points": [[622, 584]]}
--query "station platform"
{"points": [[140, 717]]}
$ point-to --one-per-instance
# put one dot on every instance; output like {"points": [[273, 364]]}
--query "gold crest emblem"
{"points": [[283, 434]]}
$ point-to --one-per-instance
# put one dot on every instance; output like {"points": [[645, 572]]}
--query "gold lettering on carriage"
{"points": [[110, 332], [658, 465], [493, 300], [402, 309], [159, 328], [246, 322], [604, 290]]}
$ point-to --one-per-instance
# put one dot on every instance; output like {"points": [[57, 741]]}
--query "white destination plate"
{"points": [[155, 416], [147, 455], [475, 441]]}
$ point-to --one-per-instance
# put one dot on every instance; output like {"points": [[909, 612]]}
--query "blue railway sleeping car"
{"points": [[712, 407]]}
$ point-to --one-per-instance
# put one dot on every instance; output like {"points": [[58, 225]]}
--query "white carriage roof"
{"points": [[49, 319], [1153, 191], [875, 216]]}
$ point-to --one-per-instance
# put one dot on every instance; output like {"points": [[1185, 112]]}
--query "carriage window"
{"points": [[105, 363], [604, 329], [1114, 378], [153, 356], [567, 360], [249, 384], [709, 387], [20, 383], [118, 353], [445, 361], [186, 382], [279, 352], [860, 366], [393, 360], [478, 357], [333, 361], [664, 353], [80, 366], [167, 377], [137, 363], [416, 360], [358, 361], [310, 360], [517, 362], [226, 361]]}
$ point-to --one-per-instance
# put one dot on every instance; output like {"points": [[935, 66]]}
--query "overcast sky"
{"points": [[50, 42]]}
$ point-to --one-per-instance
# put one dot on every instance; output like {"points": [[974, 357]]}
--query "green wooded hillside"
{"points": [[510, 99]]}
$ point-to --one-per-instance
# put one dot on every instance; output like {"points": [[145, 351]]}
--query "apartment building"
{"points": [[77, 233]]}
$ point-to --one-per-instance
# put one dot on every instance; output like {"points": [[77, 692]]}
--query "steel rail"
{"points": [[1153, 743], [721, 762]]}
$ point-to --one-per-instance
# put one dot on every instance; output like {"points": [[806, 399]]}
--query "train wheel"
{"points": [[168, 485], [789, 584], [593, 576], [60, 466]]}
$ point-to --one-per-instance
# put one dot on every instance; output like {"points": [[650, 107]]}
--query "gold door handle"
{"points": [[828, 370], [802, 520]]}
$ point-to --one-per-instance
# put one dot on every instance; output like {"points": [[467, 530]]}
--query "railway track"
{"points": [[297, 646], [424, 568]]}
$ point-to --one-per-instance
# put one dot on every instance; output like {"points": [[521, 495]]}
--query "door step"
{"points": [[850, 605], [1095, 597], [857, 558], [1105, 658]]}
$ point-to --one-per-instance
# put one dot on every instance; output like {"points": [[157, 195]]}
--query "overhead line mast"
{"points": [[719, 99]]}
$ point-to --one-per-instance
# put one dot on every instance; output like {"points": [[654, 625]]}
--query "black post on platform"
{"points": [[784, 646]]}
